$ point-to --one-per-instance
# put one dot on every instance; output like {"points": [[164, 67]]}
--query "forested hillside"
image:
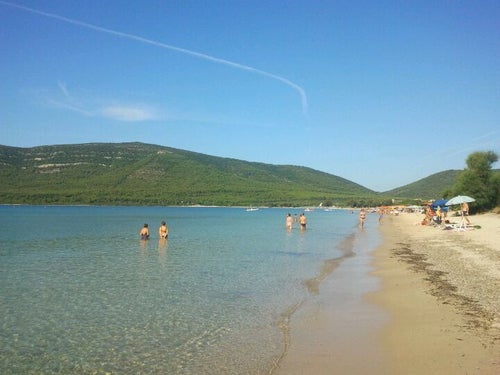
{"points": [[143, 174], [431, 187]]}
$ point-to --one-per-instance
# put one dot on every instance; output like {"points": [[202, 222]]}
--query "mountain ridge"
{"points": [[146, 174]]}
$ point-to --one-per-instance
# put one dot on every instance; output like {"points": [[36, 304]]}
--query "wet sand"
{"points": [[335, 331], [435, 309]]}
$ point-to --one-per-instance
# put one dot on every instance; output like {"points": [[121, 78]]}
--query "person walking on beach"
{"points": [[144, 233], [289, 221], [163, 230], [362, 218], [303, 221]]}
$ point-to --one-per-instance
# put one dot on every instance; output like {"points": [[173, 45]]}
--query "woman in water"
{"points": [[163, 231]]}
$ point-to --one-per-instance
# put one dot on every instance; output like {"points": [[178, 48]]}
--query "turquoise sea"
{"points": [[80, 293]]}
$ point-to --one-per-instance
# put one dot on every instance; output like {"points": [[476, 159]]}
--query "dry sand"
{"points": [[436, 310], [442, 289]]}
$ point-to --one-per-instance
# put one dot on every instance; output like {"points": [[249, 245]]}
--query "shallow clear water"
{"points": [[80, 293]]}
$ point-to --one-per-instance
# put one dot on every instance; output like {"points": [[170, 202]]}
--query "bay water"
{"points": [[80, 293]]}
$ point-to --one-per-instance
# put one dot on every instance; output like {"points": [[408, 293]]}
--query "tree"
{"points": [[496, 186], [478, 180]]}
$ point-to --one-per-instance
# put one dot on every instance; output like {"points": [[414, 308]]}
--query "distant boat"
{"points": [[252, 209]]}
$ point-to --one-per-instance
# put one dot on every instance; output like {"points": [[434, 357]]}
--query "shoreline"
{"points": [[335, 326], [436, 309]]}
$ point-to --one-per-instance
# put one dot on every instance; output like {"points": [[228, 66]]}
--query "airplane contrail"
{"points": [[217, 60]]}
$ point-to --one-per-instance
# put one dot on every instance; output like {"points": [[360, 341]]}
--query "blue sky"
{"points": [[382, 93]]}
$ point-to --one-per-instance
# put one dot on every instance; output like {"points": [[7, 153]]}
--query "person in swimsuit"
{"points": [[362, 218], [144, 232], [163, 231], [465, 212], [289, 222], [303, 221]]}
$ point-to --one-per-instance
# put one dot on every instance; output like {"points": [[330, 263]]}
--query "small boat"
{"points": [[252, 209]]}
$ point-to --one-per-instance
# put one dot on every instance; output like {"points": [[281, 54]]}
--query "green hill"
{"points": [[143, 174], [431, 187]]}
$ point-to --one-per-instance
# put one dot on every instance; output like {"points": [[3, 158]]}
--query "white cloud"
{"points": [[89, 105], [130, 113]]}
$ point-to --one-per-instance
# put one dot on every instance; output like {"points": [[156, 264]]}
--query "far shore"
{"points": [[437, 308]]}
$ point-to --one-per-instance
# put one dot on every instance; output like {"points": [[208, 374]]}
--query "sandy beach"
{"points": [[442, 289], [436, 309]]}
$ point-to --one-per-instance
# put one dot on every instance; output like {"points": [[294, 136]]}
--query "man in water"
{"points": [[303, 221], [144, 232]]}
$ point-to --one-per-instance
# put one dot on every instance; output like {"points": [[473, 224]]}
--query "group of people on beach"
{"points": [[438, 215], [162, 231], [302, 220]]}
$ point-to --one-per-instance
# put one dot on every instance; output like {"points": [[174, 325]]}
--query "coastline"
{"points": [[442, 290], [436, 309], [336, 326]]}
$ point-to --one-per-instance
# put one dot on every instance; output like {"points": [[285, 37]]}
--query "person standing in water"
{"points": [[380, 215], [144, 233], [289, 222], [362, 218], [303, 221], [163, 230]]}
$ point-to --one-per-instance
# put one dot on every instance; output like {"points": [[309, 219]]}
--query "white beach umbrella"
{"points": [[459, 199]]}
